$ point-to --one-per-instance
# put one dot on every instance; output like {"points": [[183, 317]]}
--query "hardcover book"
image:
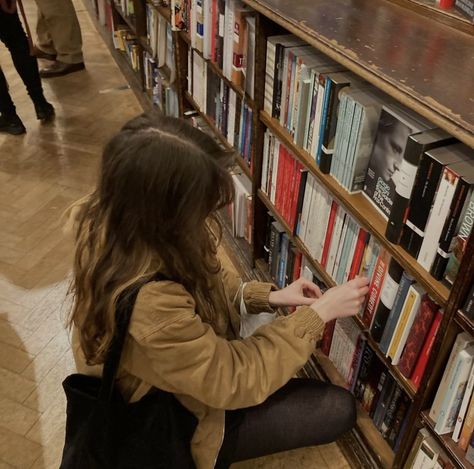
{"points": [[393, 130]]}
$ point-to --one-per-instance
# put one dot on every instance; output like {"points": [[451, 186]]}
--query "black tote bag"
{"points": [[105, 432]]}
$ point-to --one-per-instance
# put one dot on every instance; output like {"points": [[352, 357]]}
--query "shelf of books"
{"points": [[351, 161]]}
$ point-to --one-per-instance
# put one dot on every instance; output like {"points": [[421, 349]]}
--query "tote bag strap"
{"points": [[123, 313]]}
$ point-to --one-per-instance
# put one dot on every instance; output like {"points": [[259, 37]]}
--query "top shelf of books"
{"points": [[399, 51]]}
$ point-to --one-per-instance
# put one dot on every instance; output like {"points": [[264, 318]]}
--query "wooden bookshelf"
{"points": [[367, 428], [364, 212], [129, 21], [456, 454], [406, 48], [406, 384], [396, 49], [239, 160]]}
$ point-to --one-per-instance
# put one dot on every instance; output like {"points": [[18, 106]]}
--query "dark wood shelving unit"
{"points": [[396, 49], [129, 21], [464, 322], [456, 454], [239, 160], [364, 212]]}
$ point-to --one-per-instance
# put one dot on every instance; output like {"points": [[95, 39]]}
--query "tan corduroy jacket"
{"points": [[205, 366]]}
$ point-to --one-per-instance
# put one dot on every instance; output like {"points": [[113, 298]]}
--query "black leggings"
{"points": [[14, 37], [304, 412]]}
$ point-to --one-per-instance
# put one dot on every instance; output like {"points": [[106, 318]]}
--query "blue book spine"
{"points": [[405, 283]]}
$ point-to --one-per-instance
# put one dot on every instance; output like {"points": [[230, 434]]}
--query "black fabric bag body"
{"points": [[105, 432]]}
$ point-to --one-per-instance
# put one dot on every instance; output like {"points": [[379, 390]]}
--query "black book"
{"points": [[290, 263], [468, 308], [416, 145], [299, 203], [368, 357], [391, 411], [429, 173], [387, 298], [400, 415], [385, 396], [277, 231], [212, 93], [464, 190], [266, 244]]}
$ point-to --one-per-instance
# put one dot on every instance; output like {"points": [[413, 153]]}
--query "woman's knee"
{"points": [[347, 409]]}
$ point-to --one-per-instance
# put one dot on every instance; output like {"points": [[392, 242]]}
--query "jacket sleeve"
{"points": [[185, 353], [255, 293]]}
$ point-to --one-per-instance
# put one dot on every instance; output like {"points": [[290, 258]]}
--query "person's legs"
{"points": [[59, 31], [14, 37], [305, 412]]}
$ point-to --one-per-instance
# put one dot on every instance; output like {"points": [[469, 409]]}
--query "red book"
{"points": [[362, 240], [417, 335], [297, 265], [426, 350], [330, 228], [284, 182], [327, 337], [376, 286], [289, 184]]}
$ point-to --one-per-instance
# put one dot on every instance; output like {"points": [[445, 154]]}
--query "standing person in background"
{"points": [[14, 37], [59, 38]]}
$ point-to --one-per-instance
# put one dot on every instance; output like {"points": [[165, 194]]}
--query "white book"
{"points": [[336, 238], [405, 321], [440, 211], [207, 17], [231, 117], [463, 408], [265, 158], [312, 218], [337, 259], [455, 391], [249, 68], [228, 38], [276, 157], [317, 119], [193, 23], [308, 199], [322, 225], [190, 71], [463, 341]]}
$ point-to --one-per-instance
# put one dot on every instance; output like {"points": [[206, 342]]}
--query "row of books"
{"points": [[427, 454], [369, 143], [232, 116], [126, 41], [160, 40], [452, 410], [164, 94], [224, 32], [369, 380]]}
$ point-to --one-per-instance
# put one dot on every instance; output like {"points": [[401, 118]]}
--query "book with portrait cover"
{"points": [[394, 128]]}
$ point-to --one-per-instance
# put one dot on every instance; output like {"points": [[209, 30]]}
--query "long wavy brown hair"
{"points": [[161, 183]]}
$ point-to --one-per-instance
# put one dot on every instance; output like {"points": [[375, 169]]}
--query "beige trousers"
{"points": [[58, 30]]}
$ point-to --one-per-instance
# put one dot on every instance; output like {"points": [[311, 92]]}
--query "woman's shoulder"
{"points": [[158, 304]]}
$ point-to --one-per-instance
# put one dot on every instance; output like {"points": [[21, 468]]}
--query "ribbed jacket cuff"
{"points": [[309, 323], [256, 297]]}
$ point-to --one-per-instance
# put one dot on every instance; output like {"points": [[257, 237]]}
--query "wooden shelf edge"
{"points": [[125, 18], [362, 210], [430, 109], [165, 12], [456, 454], [464, 322], [239, 159], [364, 423], [406, 384]]}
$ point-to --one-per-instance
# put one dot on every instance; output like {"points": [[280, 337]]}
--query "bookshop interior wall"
{"points": [[353, 126]]}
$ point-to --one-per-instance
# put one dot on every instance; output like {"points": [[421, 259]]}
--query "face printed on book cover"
{"points": [[389, 154]]}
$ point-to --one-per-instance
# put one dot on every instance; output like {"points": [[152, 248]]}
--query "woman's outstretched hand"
{"points": [[301, 292], [342, 301]]}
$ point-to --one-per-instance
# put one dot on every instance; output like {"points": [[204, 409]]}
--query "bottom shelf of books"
{"points": [[365, 425]]}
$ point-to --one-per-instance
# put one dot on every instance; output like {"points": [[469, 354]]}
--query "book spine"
{"points": [[468, 427], [375, 287], [422, 361], [394, 314], [300, 200], [403, 189], [387, 299], [442, 254], [420, 207], [463, 409], [417, 336], [391, 410], [438, 216], [328, 90], [327, 337], [329, 231]]}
